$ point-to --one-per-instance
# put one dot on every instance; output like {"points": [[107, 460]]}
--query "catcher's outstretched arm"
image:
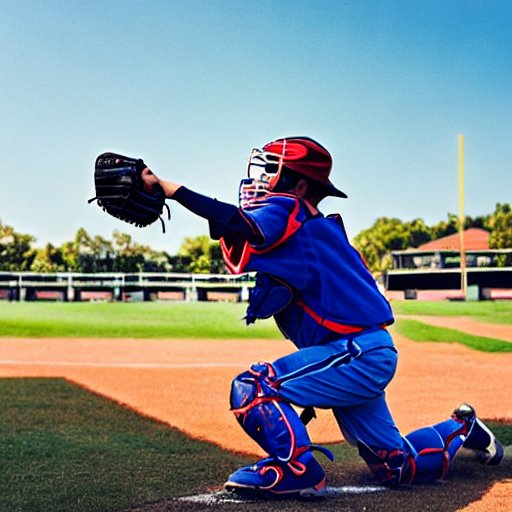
{"points": [[206, 207], [225, 219]]}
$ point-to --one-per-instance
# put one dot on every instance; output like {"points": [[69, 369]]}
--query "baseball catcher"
{"points": [[324, 299], [121, 192]]}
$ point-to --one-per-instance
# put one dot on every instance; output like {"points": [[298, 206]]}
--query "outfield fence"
{"points": [[142, 286], [148, 286]]}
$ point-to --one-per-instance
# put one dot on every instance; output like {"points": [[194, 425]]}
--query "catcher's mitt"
{"points": [[119, 191]]}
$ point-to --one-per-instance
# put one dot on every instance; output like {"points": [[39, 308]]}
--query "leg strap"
{"points": [[390, 467], [425, 456], [436, 447]]}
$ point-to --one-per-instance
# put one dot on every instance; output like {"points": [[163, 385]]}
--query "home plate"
{"points": [[219, 497]]}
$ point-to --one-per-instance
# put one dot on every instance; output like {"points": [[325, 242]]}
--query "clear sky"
{"points": [[192, 85]]}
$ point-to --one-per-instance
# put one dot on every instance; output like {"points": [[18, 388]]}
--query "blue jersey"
{"points": [[334, 292]]}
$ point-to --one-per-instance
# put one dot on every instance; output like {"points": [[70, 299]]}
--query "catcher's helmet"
{"points": [[300, 155]]}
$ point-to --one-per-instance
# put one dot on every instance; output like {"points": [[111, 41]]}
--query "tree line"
{"points": [[93, 253], [391, 234]]}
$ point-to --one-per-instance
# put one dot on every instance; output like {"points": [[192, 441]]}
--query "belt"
{"points": [[338, 327]]}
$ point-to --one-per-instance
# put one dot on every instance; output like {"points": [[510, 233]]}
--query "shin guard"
{"points": [[268, 419], [436, 447]]}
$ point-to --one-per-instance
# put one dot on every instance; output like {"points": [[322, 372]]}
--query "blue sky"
{"points": [[192, 85]]}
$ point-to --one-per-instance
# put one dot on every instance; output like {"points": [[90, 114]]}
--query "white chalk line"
{"points": [[215, 498], [219, 497], [353, 489], [15, 362]]}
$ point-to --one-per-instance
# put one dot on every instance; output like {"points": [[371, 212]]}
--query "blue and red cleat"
{"points": [[270, 477], [479, 438]]}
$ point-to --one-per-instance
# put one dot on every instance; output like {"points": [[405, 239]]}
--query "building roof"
{"points": [[474, 239]]}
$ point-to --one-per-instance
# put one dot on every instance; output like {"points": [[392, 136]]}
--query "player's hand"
{"points": [[150, 179]]}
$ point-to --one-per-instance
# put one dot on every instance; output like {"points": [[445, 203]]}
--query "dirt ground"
{"points": [[186, 383]]}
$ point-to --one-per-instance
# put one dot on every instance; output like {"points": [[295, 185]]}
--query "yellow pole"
{"points": [[463, 273]]}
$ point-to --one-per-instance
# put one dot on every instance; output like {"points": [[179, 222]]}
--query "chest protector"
{"points": [[333, 291]]}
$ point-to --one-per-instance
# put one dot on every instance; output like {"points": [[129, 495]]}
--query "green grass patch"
{"points": [[131, 320], [187, 319], [486, 311], [63, 448], [419, 331]]}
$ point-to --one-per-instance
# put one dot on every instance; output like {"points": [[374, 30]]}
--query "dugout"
{"points": [[488, 271], [434, 270]]}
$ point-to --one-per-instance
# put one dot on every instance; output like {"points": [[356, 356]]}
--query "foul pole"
{"points": [[463, 273]]}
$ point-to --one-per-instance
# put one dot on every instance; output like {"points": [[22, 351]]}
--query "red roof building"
{"points": [[475, 239], [436, 267]]}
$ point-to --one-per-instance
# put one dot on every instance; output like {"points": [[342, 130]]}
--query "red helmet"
{"points": [[297, 154]]}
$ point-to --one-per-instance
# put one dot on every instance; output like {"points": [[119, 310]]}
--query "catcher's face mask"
{"points": [[263, 171]]}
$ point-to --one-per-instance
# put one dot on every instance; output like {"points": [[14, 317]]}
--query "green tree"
{"points": [[389, 234], [157, 261], [179, 263], [16, 252], [445, 228], [480, 222], [418, 233], [82, 252], [205, 255], [386, 234], [70, 256], [48, 259], [86, 253], [197, 249], [500, 223], [128, 255], [79, 254], [217, 265]]}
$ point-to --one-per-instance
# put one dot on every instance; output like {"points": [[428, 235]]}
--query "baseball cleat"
{"points": [[466, 413], [271, 478], [479, 438]]}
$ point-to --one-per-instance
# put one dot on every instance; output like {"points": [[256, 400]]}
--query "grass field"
{"points": [[486, 311], [220, 321], [64, 449], [130, 320], [419, 331]]}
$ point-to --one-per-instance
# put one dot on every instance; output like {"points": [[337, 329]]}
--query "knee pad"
{"points": [[391, 467], [268, 419]]}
